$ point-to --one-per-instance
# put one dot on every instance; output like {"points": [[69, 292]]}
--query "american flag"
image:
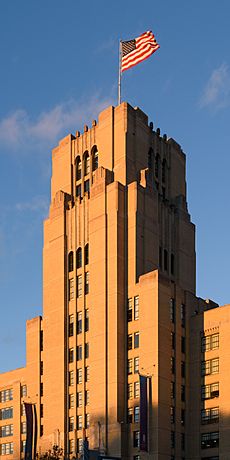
{"points": [[135, 51]]}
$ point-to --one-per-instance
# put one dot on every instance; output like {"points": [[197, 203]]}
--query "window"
{"points": [[172, 310], [172, 390], [210, 342], [130, 342], [41, 340], [160, 257], [94, 158], [41, 389], [86, 186], [182, 392], [172, 264], [79, 352], [23, 410], [79, 422], [86, 320], [79, 322], [136, 364], [86, 397], [70, 261], [136, 339], [6, 395], [182, 314], [79, 399], [71, 378], [71, 325], [136, 307], [210, 366], [87, 419], [23, 427], [173, 340], [136, 457], [182, 441], [79, 445], [78, 168], [136, 390], [41, 410], [86, 164], [129, 310], [182, 417], [183, 369], [136, 439], [87, 254], [209, 440], [23, 446], [130, 391], [164, 170], [71, 355], [79, 375], [79, 286], [130, 366], [165, 260], [157, 166], [7, 448], [6, 430], [210, 415], [79, 258], [87, 283], [71, 446], [86, 350], [41, 430], [130, 415], [172, 439], [87, 373], [172, 414], [136, 414], [23, 391], [6, 413], [78, 190], [210, 391], [71, 423], [41, 367], [71, 289], [173, 365], [183, 343]]}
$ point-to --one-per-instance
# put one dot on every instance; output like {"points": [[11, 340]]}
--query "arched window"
{"points": [[164, 170], [157, 161], [86, 254], [78, 168], [94, 158], [70, 261], [150, 158], [79, 258], [86, 164]]}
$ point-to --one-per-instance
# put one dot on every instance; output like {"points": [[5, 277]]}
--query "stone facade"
{"points": [[119, 300]]}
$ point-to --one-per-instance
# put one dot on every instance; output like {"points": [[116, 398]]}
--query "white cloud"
{"points": [[217, 91], [20, 130], [37, 203]]}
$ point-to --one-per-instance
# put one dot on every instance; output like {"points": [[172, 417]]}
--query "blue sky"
{"points": [[59, 66]]}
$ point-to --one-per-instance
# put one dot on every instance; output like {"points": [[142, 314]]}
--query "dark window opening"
{"points": [[79, 257]]}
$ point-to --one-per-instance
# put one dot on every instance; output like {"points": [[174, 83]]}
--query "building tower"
{"points": [[119, 291]]}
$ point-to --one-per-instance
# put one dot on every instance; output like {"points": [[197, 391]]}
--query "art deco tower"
{"points": [[118, 258], [118, 283]]}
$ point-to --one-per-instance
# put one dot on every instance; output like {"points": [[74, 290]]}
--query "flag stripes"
{"points": [[135, 51]]}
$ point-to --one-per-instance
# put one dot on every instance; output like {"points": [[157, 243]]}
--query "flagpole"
{"points": [[119, 76]]}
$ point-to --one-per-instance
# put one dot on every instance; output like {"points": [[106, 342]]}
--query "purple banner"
{"points": [[31, 431], [143, 414]]}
